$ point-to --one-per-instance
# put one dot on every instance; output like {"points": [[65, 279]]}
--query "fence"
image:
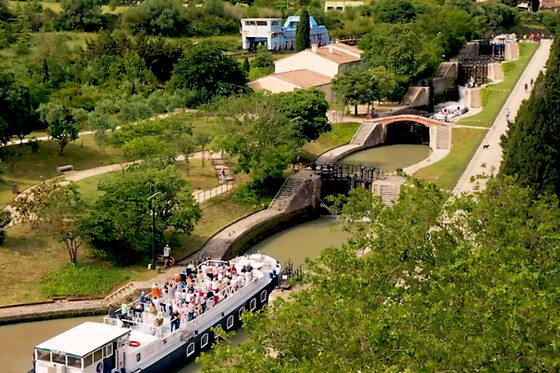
{"points": [[206, 194]]}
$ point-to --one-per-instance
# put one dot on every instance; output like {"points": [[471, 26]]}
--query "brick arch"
{"points": [[410, 118]]}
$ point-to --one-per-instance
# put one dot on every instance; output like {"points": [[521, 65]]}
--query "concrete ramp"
{"points": [[416, 96]]}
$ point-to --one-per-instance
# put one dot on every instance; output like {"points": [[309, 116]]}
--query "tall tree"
{"points": [[120, 226], [483, 282], [206, 68], [100, 123], [202, 140], [80, 15], [355, 87], [63, 123], [532, 143], [303, 32], [17, 114]]}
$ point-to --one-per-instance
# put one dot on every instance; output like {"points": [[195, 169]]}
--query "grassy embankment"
{"points": [[34, 265], [465, 141], [341, 134]]}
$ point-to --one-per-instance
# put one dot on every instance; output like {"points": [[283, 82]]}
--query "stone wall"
{"points": [[376, 137], [495, 71]]}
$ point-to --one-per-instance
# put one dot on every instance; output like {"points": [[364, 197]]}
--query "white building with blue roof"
{"points": [[270, 32]]}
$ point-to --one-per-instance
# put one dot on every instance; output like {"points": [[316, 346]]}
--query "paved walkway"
{"points": [[488, 157]]}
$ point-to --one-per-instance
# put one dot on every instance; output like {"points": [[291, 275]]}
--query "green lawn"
{"points": [[26, 169], [57, 7], [447, 172], [341, 134], [494, 96]]}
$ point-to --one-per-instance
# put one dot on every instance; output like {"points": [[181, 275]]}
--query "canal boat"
{"points": [[151, 340]]}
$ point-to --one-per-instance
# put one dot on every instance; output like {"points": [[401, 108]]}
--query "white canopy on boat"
{"points": [[84, 338]]}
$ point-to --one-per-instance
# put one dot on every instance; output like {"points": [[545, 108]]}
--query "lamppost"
{"points": [[153, 228]]}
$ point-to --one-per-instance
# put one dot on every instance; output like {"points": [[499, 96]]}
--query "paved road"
{"points": [[487, 161]]}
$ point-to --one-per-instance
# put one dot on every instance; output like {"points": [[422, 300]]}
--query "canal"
{"points": [[295, 244], [389, 157]]}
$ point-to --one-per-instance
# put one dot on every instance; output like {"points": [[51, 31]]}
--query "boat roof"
{"points": [[84, 338]]}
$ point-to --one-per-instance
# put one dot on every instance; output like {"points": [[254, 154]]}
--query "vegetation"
{"points": [[303, 31], [341, 134], [531, 143], [426, 267]]}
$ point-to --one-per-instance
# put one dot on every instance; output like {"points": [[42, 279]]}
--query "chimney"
{"points": [[331, 49], [314, 48]]}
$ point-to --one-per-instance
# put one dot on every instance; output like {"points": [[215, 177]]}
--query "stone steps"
{"points": [[285, 194], [389, 194], [363, 133]]}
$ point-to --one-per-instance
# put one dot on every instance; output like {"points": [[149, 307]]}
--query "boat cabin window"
{"points": [[230, 322], [261, 23], [253, 304], [190, 349], [88, 360], [241, 311], [58, 357], [250, 23], [263, 296], [108, 350], [98, 355], [138, 357], [74, 362], [204, 340], [43, 355]]}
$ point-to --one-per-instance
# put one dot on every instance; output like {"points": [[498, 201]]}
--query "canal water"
{"points": [[389, 157], [295, 244]]}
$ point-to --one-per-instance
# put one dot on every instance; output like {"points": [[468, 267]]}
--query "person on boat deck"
{"points": [[156, 302], [190, 310], [175, 320], [155, 291], [112, 312], [142, 300], [125, 310]]}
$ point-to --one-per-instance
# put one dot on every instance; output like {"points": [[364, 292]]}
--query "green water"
{"points": [[295, 244], [389, 157]]}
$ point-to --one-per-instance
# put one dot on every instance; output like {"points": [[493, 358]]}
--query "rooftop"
{"points": [[303, 78], [83, 339]]}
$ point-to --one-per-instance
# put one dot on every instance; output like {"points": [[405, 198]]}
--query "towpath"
{"points": [[488, 156]]}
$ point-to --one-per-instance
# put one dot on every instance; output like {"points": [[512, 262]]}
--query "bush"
{"points": [[78, 280], [35, 145], [257, 193]]}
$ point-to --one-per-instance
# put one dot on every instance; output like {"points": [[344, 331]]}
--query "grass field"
{"points": [[447, 172], [57, 7], [341, 134], [494, 96]]}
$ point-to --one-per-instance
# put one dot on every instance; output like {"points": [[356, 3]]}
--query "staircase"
{"points": [[363, 133], [285, 194], [121, 294], [221, 169], [389, 194]]}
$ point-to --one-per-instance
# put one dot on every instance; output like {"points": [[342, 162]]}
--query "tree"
{"points": [[187, 146], [355, 87], [156, 17], [532, 142], [28, 204], [206, 68], [430, 286], [60, 215], [5, 12], [255, 131], [100, 123], [80, 15], [385, 81], [303, 31], [394, 11], [246, 66], [120, 226], [202, 140], [63, 123], [17, 114], [5, 220], [307, 109]]}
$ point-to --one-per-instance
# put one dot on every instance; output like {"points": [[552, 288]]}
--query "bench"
{"points": [[62, 169]]}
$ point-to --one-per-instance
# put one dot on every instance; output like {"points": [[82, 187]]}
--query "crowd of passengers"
{"points": [[188, 295]]}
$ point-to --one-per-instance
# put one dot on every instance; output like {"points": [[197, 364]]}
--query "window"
{"points": [[98, 355], [190, 349], [74, 362], [241, 312], [108, 350], [138, 357], [230, 321], [263, 296], [261, 23], [88, 360], [274, 23], [43, 355], [204, 341], [58, 357], [253, 304], [249, 23]]}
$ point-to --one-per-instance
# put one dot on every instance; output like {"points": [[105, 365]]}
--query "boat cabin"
{"points": [[89, 348]]}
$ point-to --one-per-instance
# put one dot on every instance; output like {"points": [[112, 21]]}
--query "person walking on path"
{"points": [[508, 112], [166, 255]]}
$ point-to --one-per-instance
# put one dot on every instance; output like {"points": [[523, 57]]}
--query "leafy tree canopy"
{"points": [[80, 15], [120, 227], [483, 283], [394, 11]]}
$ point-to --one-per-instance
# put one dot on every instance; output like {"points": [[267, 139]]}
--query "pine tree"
{"points": [[532, 144], [302, 32]]}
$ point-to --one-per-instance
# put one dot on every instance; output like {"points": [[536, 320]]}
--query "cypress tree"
{"points": [[302, 32], [246, 66], [531, 147]]}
